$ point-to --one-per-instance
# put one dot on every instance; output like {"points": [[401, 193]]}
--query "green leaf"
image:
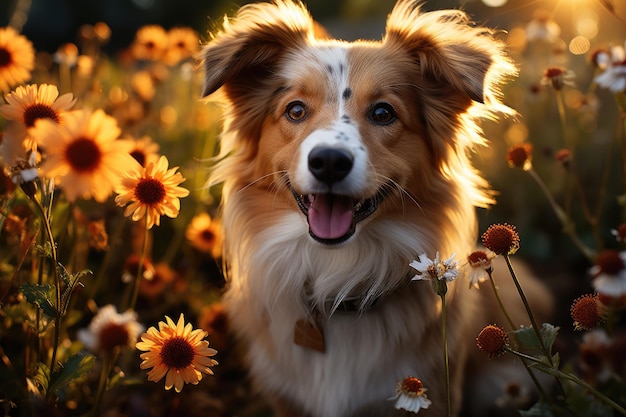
{"points": [[528, 343], [71, 281], [42, 296], [76, 367], [42, 378]]}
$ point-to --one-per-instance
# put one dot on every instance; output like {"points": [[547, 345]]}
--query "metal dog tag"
{"points": [[309, 334]]}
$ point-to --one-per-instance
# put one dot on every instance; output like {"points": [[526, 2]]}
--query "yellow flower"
{"points": [[204, 234], [182, 43], [144, 150], [150, 42], [176, 352], [26, 105], [152, 191], [83, 154], [17, 58]]}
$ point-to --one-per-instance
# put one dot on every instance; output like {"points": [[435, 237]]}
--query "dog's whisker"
{"points": [[250, 184]]}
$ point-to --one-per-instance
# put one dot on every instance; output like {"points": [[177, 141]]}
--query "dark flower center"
{"points": [[38, 111], [477, 257], [150, 191], [553, 72], [517, 155], [112, 336], [83, 155], [412, 385], [5, 58], [177, 353], [207, 236], [139, 157]]}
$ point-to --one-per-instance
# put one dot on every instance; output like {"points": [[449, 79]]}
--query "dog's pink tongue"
{"points": [[330, 216]]}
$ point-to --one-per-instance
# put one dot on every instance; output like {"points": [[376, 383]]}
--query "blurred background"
{"points": [[52, 22]]}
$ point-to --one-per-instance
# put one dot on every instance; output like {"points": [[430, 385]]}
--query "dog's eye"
{"points": [[382, 114], [296, 111]]}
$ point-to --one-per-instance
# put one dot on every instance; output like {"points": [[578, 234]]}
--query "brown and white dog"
{"points": [[341, 162]]}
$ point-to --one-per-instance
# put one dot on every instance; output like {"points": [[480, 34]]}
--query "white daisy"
{"points": [[411, 395], [110, 330], [613, 66], [480, 266], [428, 269], [609, 273]]}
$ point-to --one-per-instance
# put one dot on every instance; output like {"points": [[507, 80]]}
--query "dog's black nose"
{"points": [[330, 165]]}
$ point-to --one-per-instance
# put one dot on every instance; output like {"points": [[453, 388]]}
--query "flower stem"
{"points": [[573, 378], [566, 222], [533, 322], [445, 353], [57, 279], [513, 328], [529, 311], [102, 384], [142, 257], [497, 294]]}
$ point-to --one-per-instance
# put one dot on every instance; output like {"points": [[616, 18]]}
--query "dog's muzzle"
{"points": [[332, 217]]}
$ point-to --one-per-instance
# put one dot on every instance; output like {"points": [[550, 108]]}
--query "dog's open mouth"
{"points": [[332, 217]]}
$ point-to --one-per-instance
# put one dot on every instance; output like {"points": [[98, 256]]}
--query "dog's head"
{"points": [[347, 131]]}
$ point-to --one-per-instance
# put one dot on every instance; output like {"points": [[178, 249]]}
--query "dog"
{"points": [[340, 162]]}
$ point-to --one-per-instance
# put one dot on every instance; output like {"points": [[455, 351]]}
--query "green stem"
{"points": [[568, 227], [57, 278], [532, 375], [497, 294], [599, 395], [138, 278], [445, 353], [102, 384], [560, 101], [529, 311], [533, 322]]}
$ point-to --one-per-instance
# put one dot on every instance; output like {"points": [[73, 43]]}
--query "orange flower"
{"points": [[150, 42], [26, 105], [84, 156], [203, 233], [502, 239], [493, 341], [586, 313], [17, 58], [176, 352], [152, 191], [144, 150], [182, 43]]}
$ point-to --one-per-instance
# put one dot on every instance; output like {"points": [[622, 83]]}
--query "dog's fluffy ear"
{"points": [[250, 43], [448, 50]]}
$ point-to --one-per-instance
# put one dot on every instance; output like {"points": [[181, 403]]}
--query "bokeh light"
{"points": [[495, 3], [587, 23], [579, 45]]}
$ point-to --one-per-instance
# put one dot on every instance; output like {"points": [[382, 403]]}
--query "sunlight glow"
{"points": [[587, 24], [495, 3]]}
